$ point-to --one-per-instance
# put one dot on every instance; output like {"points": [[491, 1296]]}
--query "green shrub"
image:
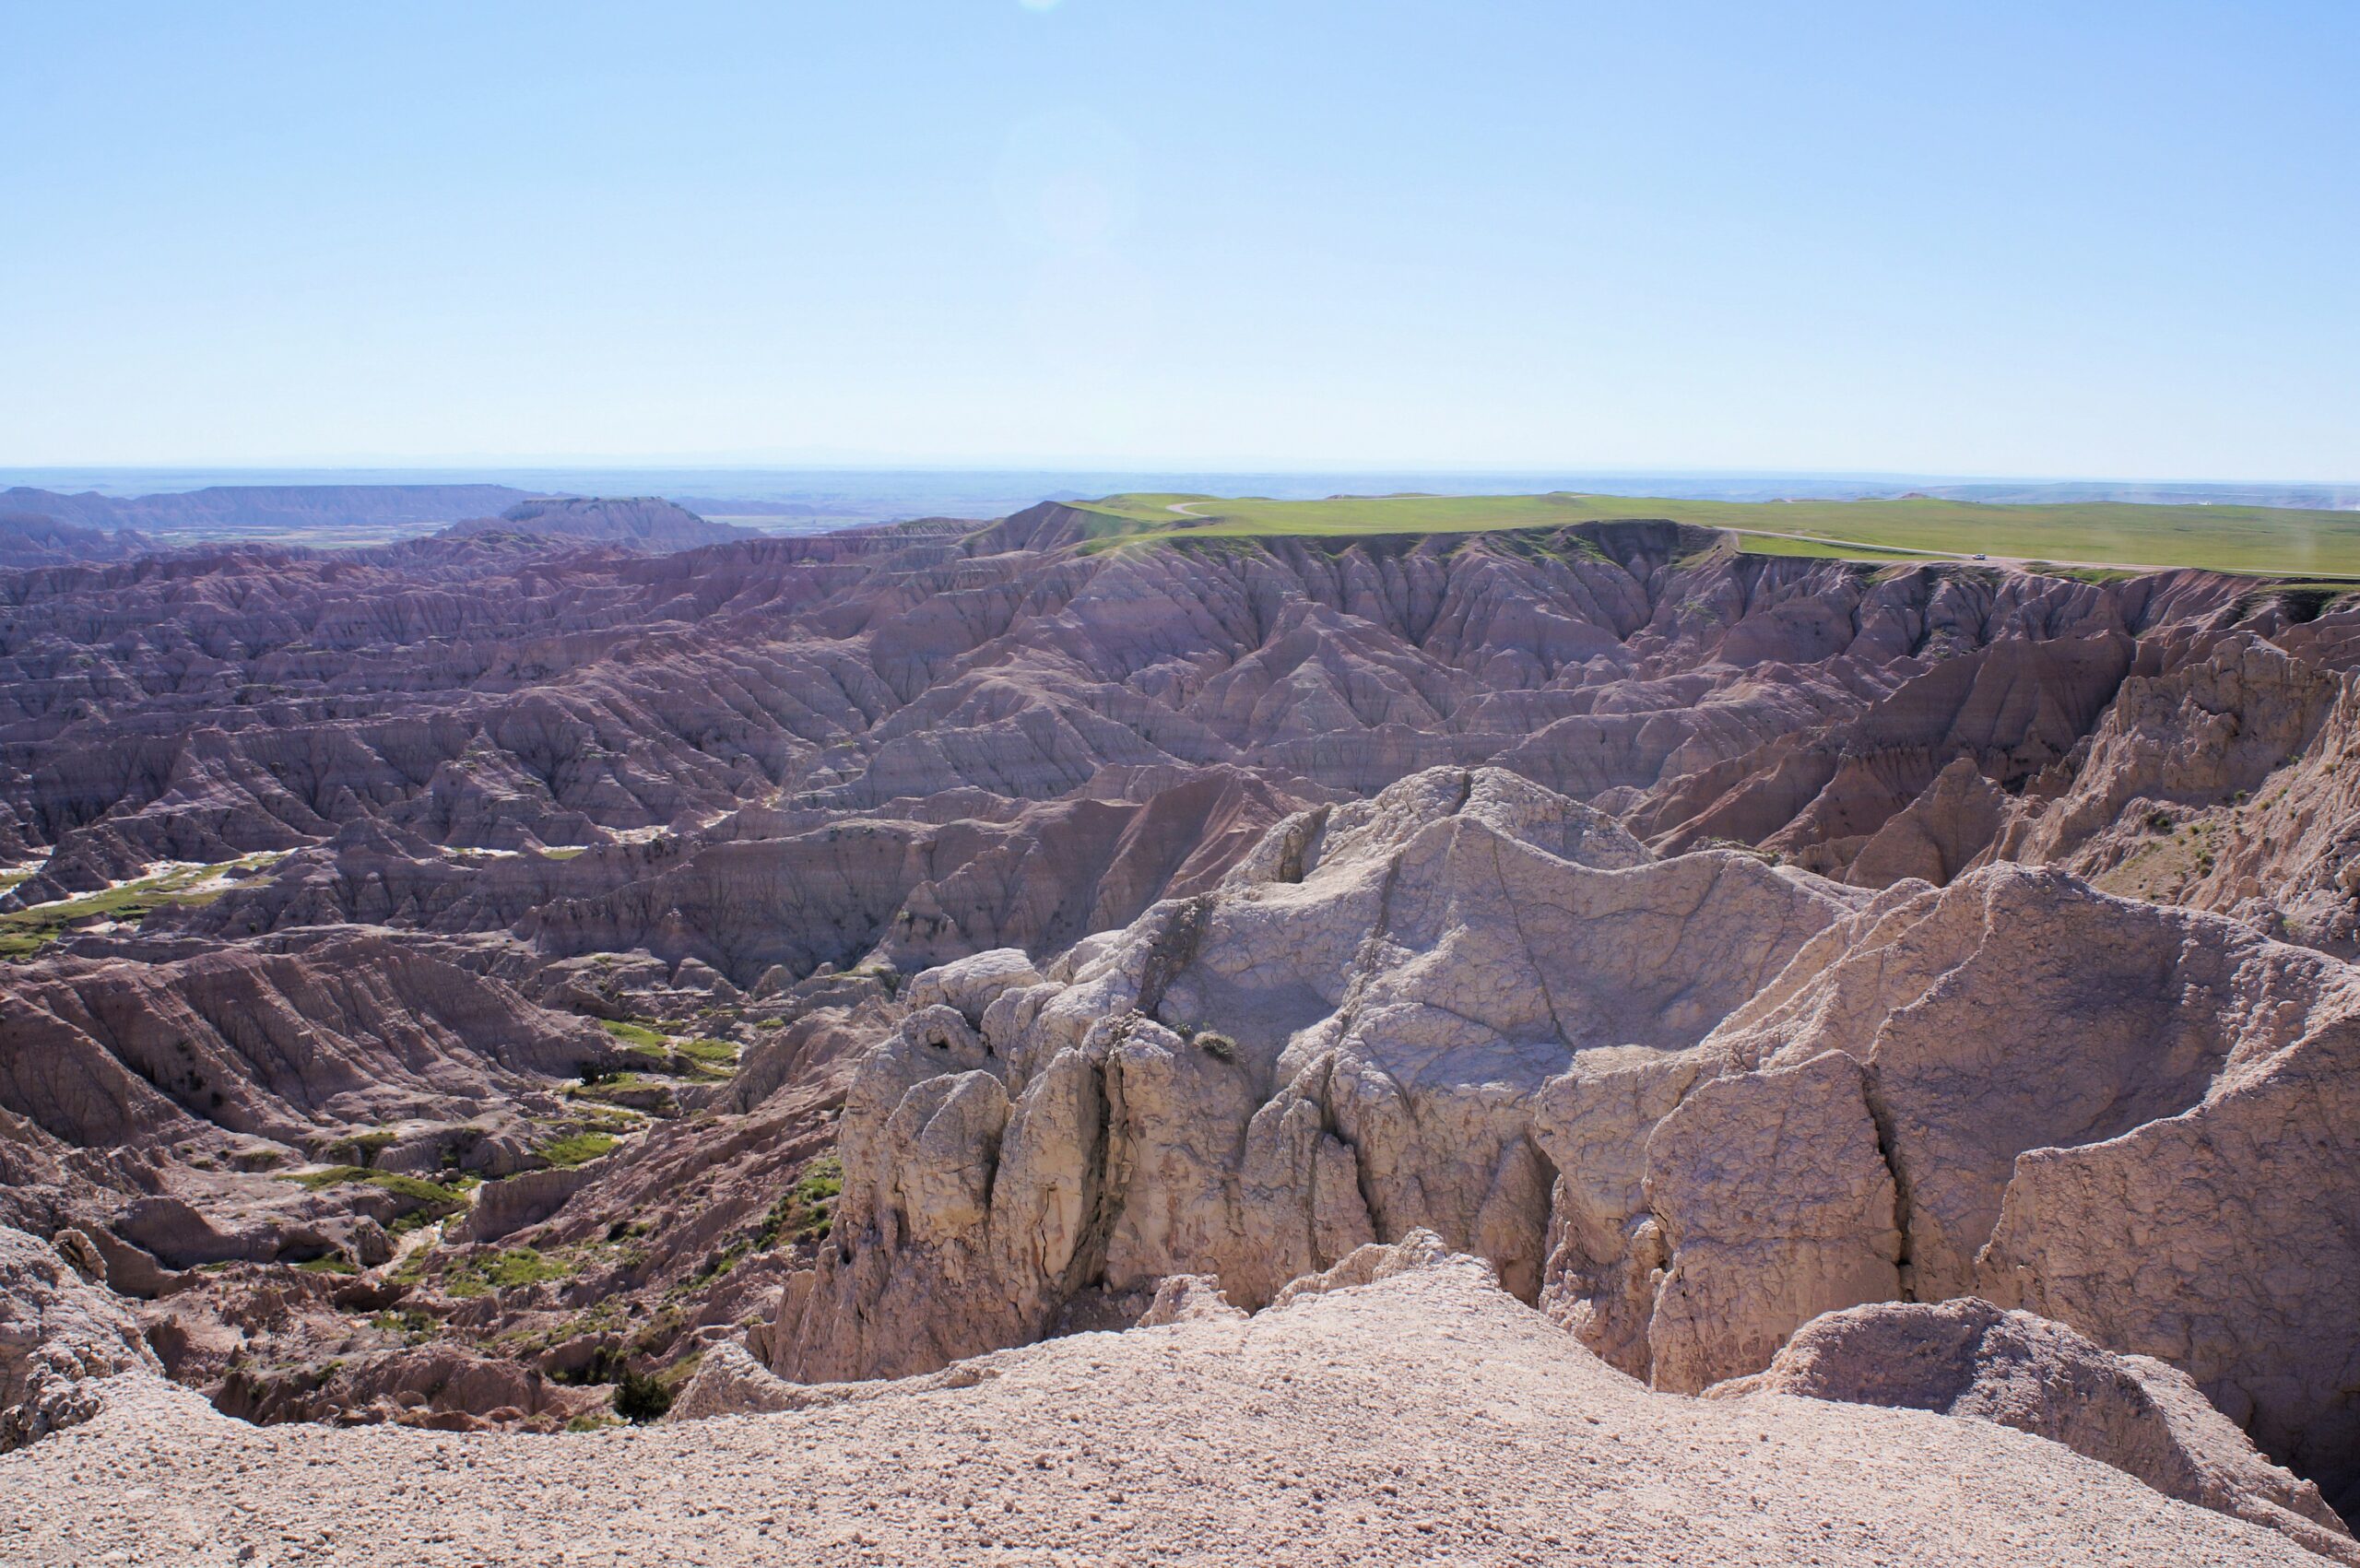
{"points": [[409, 1323], [524, 1265], [640, 1399], [822, 1180]]}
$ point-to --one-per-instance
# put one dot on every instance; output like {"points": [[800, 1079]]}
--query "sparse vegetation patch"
{"points": [[805, 1212], [25, 932], [577, 1149]]}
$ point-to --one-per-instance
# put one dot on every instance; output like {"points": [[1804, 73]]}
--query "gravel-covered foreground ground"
{"points": [[1426, 1418]]}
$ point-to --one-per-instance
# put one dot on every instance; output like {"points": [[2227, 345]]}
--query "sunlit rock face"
{"points": [[1686, 1104]]}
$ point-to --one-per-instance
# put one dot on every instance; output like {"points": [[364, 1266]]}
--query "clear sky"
{"points": [[2108, 238]]}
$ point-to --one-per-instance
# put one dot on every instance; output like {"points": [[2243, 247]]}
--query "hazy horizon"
{"points": [[489, 471]]}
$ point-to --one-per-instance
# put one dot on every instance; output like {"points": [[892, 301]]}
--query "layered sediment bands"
{"points": [[2008, 711], [913, 893], [799, 890], [147, 1103], [1710, 943]]}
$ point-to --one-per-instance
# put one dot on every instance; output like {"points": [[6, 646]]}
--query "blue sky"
{"points": [[2095, 239]]}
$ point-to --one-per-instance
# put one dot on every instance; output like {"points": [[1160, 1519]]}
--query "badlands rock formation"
{"points": [[446, 979], [1345, 1039], [235, 701], [1686, 1104], [270, 1044], [2131, 1119]]}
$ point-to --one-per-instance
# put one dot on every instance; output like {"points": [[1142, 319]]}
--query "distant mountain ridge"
{"points": [[648, 522], [246, 507], [47, 527], [2062, 492], [32, 538]]}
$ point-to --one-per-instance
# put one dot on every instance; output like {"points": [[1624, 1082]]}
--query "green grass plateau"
{"points": [[2255, 540]]}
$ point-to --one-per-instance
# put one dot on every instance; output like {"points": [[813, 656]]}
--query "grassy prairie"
{"points": [[2264, 541]]}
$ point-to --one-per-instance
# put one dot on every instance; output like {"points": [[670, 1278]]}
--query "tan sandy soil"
{"points": [[1426, 1419]]}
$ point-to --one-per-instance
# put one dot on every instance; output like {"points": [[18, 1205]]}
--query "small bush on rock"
{"points": [[1219, 1047], [640, 1399]]}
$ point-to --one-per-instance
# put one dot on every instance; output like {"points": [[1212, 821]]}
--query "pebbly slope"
{"points": [[1420, 1418]]}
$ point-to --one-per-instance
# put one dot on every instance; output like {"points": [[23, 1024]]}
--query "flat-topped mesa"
{"points": [[265, 506], [32, 538]]}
